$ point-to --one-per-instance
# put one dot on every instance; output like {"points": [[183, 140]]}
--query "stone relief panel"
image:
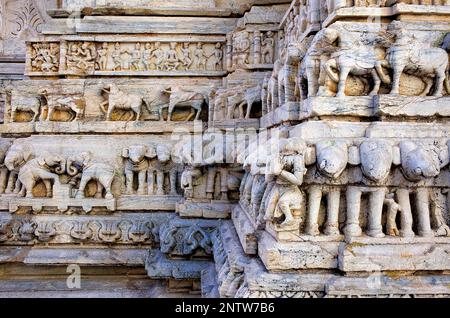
{"points": [[147, 58], [379, 176], [142, 229], [89, 175], [38, 103], [328, 65], [252, 49]]}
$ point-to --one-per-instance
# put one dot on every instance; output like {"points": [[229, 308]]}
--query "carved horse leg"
{"points": [[344, 72], [377, 83], [398, 71]]}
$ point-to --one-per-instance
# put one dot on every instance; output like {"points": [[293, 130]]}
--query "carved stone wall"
{"points": [[238, 148]]}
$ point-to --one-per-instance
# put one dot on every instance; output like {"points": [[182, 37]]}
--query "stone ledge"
{"points": [[245, 230], [79, 256], [357, 257], [101, 127], [39, 204], [147, 203], [279, 256], [285, 113], [395, 106], [159, 266], [207, 210]]}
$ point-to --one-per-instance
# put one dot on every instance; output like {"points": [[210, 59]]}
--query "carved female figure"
{"points": [[268, 46], [103, 57], [289, 169], [200, 58]]}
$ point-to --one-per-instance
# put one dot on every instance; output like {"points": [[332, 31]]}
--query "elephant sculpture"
{"points": [[15, 158], [137, 162], [332, 158], [426, 63], [353, 58], [376, 159], [420, 162], [5, 145], [91, 170], [41, 168]]}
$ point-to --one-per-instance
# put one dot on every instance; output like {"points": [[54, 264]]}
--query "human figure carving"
{"points": [[289, 169]]}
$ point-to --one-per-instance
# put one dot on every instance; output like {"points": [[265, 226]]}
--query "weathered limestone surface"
{"points": [[237, 148]]}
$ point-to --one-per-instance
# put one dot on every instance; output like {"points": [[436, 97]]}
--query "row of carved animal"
{"points": [[340, 61], [274, 187], [155, 101]]}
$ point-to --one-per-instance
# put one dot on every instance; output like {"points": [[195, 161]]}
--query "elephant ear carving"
{"points": [[126, 153], [151, 152]]}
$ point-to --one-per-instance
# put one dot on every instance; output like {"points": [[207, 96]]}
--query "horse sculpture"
{"points": [[185, 98]]}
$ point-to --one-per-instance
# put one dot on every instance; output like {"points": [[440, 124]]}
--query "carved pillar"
{"points": [[229, 52], [257, 47], [406, 214], [352, 227], [332, 225], [423, 212], [315, 197], [374, 227]]}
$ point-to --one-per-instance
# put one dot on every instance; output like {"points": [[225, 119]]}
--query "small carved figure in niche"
{"points": [[159, 55], [116, 56], [136, 58], [268, 46], [45, 57], [186, 59], [172, 62], [288, 168], [392, 209], [147, 57], [241, 48], [102, 55], [200, 58], [217, 57]]}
